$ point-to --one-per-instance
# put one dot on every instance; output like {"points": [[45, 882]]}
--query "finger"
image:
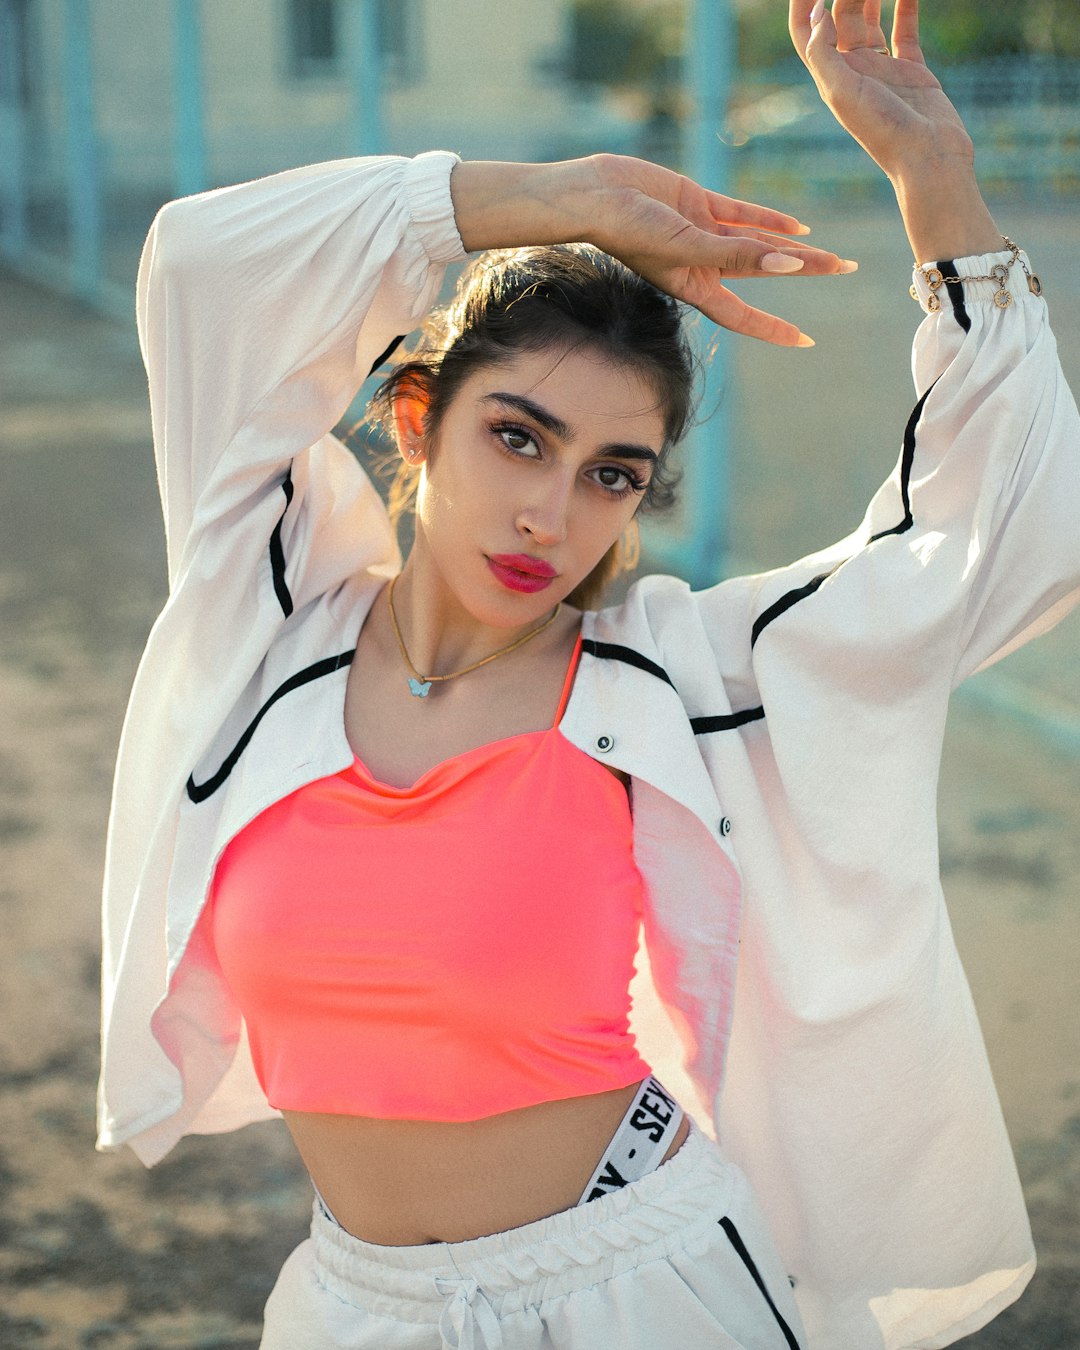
{"points": [[817, 262], [875, 32], [731, 211], [833, 76], [746, 256], [905, 32], [799, 24], [849, 17], [727, 310]]}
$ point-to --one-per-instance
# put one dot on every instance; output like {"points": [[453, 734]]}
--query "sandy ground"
{"points": [[97, 1252]]}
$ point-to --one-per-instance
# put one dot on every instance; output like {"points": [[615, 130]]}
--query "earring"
{"points": [[416, 454], [628, 547]]}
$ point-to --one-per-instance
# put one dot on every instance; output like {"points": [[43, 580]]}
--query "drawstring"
{"points": [[468, 1321]]}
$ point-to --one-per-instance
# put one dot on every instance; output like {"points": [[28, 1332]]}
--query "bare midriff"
{"points": [[403, 1183]]}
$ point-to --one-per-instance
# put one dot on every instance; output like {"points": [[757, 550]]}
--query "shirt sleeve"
{"points": [[262, 307], [854, 1044], [1007, 396], [970, 547]]}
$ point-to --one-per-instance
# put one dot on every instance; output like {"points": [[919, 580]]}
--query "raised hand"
{"points": [[688, 241], [885, 95], [682, 237], [889, 101]]}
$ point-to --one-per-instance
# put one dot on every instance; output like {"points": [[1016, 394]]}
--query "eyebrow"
{"points": [[550, 422]]}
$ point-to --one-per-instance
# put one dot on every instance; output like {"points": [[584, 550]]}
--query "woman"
{"points": [[439, 1008]]}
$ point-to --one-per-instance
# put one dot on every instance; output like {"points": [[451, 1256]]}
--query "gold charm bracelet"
{"points": [[998, 274]]}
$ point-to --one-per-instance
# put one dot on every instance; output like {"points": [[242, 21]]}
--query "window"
{"points": [[314, 37], [14, 53], [318, 33], [400, 45]]}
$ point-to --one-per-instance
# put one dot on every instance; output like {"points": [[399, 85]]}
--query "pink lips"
{"points": [[519, 572]]}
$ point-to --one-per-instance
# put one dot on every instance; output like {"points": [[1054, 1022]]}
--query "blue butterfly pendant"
{"points": [[418, 688]]}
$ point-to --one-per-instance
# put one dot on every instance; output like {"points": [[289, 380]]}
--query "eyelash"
{"points": [[632, 483]]}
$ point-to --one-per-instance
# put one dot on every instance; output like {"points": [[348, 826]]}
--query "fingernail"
{"points": [[805, 341], [780, 262], [803, 229], [817, 13], [847, 265]]}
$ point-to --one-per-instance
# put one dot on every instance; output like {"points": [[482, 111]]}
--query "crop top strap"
{"points": [[568, 683]]}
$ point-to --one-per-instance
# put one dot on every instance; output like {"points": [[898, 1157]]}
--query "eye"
{"points": [[517, 440], [617, 480]]}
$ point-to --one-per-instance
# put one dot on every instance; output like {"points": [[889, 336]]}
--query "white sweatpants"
{"points": [[680, 1258]]}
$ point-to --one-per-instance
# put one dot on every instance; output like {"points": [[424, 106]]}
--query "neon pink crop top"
{"points": [[445, 951]]}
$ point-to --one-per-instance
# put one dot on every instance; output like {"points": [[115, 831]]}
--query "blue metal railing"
{"points": [[189, 116], [695, 549]]}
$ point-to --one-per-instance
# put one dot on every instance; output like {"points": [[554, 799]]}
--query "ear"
{"points": [[409, 410]]}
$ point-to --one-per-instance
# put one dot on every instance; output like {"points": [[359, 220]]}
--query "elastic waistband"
{"points": [[647, 1219], [645, 1133]]}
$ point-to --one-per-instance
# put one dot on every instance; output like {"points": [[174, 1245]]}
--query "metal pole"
{"points": [[13, 193], [83, 169], [697, 551], [709, 68], [364, 64], [189, 148]]}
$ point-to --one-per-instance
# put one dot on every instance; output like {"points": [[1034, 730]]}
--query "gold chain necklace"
{"points": [[420, 685]]}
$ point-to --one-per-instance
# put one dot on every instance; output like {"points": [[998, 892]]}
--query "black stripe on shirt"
{"points": [[198, 792], [726, 721], [785, 602], [277, 552], [907, 461], [386, 354], [613, 651], [947, 268]]}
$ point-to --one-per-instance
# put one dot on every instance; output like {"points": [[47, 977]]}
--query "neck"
{"points": [[439, 633]]}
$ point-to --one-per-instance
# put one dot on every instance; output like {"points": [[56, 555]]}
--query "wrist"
{"points": [[987, 281], [504, 205], [944, 212]]}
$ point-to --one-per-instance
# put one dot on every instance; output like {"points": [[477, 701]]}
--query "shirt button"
{"points": [[725, 825], [605, 743]]}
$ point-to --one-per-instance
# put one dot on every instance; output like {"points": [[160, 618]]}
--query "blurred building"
{"points": [[109, 107], [279, 82]]}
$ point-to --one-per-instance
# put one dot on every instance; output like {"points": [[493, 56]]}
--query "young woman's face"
{"points": [[537, 467]]}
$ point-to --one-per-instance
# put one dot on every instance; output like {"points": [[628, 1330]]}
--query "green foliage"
{"points": [[622, 45], [615, 44], [952, 30], [762, 36], [970, 29]]}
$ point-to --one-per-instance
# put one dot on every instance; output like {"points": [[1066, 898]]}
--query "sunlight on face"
{"points": [[543, 460]]}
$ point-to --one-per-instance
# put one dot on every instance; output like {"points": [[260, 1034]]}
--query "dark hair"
{"points": [[525, 300]]}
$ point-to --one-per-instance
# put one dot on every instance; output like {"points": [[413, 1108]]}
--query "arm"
{"points": [[994, 437], [895, 108], [683, 238], [261, 309]]}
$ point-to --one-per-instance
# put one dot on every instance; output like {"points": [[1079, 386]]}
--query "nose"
{"points": [[545, 518]]}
